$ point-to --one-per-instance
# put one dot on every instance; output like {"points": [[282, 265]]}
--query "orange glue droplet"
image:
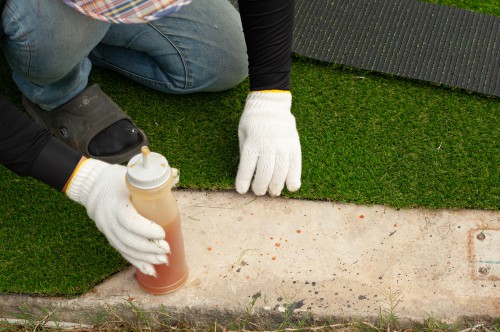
{"points": [[274, 258], [298, 231], [277, 244], [361, 216]]}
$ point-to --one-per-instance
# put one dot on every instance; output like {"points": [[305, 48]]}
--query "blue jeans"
{"points": [[51, 47]]}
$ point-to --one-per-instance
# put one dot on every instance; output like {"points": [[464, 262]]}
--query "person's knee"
{"points": [[230, 73], [210, 74], [44, 43], [219, 64], [210, 64], [203, 47]]}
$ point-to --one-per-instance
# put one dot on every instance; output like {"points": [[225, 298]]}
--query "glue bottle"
{"points": [[150, 180]]}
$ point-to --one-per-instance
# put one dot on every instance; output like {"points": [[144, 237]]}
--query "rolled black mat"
{"points": [[444, 45]]}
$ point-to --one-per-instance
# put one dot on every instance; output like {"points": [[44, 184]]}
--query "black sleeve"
{"points": [[2, 5], [29, 150], [268, 28]]}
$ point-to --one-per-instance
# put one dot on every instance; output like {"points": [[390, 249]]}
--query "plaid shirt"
{"points": [[126, 11]]}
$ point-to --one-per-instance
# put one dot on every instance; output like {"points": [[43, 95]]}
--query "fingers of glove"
{"points": [[246, 169], [137, 247], [133, 244], [144, 267], [264, 172], [279, 175], [294, 171], [131, 221], [147, 258], [242, 137], [143, 263]]}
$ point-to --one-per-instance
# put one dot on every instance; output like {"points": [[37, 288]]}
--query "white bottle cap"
{"points": [[148, 170]]}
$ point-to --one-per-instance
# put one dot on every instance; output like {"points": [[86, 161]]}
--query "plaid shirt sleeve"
{"points": [[126, 11]]}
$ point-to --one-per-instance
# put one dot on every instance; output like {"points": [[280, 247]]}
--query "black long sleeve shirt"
{"points": [[268, 28], [29, 150]]}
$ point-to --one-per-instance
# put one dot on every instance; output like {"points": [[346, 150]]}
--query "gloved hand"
{"points": [[269, 144], [101, 188]]}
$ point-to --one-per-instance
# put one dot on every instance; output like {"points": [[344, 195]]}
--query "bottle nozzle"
{"points": [[145, 156], [148, 170]]}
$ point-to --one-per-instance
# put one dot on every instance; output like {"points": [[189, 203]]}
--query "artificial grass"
{"points": [[366, 138]]}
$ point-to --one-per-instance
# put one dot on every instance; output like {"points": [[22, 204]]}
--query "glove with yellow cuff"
{"points": [[270, 150], [101, 188]]}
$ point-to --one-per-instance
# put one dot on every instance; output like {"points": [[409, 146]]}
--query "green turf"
{"points": [[491, 7], [366, 138]]}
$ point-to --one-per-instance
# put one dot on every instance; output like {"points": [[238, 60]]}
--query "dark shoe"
{"points": [[77, 122]]}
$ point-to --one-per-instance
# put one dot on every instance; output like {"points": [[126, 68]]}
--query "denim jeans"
{"points": [[51, 48]]}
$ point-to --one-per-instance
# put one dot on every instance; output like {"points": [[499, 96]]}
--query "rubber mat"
{"points": [[412, 39]]}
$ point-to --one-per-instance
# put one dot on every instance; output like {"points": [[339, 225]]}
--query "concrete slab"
{"points": [[262, 255]]}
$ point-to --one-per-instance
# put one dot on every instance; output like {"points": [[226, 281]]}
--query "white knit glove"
{"points": [[269, 144], [101, 188]]}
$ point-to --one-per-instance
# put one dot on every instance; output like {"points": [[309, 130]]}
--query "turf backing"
{"points": [[367, 138], [408, 38]]}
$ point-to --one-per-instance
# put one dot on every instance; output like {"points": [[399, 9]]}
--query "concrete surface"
{"points": [[250, 255]]}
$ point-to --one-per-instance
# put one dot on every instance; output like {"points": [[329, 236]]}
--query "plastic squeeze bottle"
{"points": [[150, 180]]}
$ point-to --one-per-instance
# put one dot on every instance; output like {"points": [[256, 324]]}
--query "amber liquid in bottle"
{"points": [[159, 205]]}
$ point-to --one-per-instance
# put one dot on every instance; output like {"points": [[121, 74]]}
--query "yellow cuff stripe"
{"points": [[273, 90], [77, 168]]}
